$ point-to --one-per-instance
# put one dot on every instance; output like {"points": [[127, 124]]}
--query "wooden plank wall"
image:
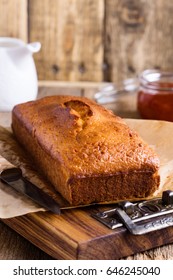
{"points": [[93, 40], [13, 19]]}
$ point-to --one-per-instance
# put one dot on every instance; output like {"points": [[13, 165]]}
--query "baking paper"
{"points": [[158, 134]]}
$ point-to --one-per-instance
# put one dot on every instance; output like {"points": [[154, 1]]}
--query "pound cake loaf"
{"points": [[86, 152]]}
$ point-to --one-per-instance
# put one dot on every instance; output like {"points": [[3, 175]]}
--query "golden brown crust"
{"points": [[87, 153]]}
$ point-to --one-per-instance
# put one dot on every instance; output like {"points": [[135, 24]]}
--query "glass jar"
{"points": [[155, 95]]}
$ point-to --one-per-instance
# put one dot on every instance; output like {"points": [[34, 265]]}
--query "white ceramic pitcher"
{"points": [[18, 76]]}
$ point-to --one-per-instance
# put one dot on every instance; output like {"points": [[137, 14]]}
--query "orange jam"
{"points": [[155, 96]]}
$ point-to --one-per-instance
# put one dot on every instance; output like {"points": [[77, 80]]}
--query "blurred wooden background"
{"points": [[93, 40]]}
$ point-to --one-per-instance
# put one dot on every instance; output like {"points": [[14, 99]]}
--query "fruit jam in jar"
{"points": [[155, 96]]}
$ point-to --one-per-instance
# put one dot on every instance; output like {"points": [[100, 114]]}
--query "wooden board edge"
{"points": [[43, 235], [122, 244]]}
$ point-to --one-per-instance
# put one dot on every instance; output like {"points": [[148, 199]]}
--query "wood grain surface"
{"points": [[85, 40], [138, 36], [76, 235], [15, 247], [71, 34], [14, 19]]}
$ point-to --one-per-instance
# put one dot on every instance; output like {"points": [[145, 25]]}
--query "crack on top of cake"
{"points": [[82, 112]]}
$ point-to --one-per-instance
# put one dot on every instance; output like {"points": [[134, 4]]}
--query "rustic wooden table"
{"points": [[15, 247]]}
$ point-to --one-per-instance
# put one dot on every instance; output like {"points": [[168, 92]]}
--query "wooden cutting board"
{"points": [[76, 235]]}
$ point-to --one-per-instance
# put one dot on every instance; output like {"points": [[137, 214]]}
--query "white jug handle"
{"points": [[34, 47]]}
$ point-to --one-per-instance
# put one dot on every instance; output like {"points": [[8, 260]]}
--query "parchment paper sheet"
{"points": [[158, 134]]}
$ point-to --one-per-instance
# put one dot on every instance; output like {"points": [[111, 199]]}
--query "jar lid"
{"points": [[155, 79]]}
